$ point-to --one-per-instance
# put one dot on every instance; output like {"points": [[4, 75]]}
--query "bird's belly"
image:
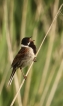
{"points": [[27, 60]]}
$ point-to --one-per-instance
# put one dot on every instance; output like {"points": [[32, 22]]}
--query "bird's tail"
{"points": [[12, 76]]}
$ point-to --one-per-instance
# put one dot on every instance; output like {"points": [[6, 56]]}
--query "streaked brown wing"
{"points": [[19, 56]]}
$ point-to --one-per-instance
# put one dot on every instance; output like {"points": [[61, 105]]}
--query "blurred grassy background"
{"points": [[44, 85]]}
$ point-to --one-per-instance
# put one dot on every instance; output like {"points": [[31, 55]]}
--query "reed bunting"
{"points": [[24, 57]]}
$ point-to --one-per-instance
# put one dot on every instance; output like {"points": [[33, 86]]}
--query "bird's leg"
{"points": [[23, 74], [34, 59]]}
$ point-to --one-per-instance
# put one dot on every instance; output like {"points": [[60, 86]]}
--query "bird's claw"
{"points": [[34, 59], [25, 77]]}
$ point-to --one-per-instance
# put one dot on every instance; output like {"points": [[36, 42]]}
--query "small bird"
{"points": [[24, 57]]}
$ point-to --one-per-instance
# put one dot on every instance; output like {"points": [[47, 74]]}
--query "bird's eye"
{"points": [[28, 43]]}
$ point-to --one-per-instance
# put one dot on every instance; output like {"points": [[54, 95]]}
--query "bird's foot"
{"points": [[34, 59], [25, 77]]}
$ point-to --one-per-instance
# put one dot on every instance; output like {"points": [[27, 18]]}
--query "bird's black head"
{"points": [[33, 46], [26, 41]]}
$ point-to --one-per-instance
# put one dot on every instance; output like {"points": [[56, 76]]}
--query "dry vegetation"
{"points": [[39, 19]]}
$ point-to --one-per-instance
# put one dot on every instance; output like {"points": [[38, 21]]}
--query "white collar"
{"points": [[24, 45]]}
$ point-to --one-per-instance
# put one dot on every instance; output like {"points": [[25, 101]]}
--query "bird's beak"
{"points": [[30, 39]]}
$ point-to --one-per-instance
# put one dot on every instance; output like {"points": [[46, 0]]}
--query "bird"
{"points": [[24, 57]]}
